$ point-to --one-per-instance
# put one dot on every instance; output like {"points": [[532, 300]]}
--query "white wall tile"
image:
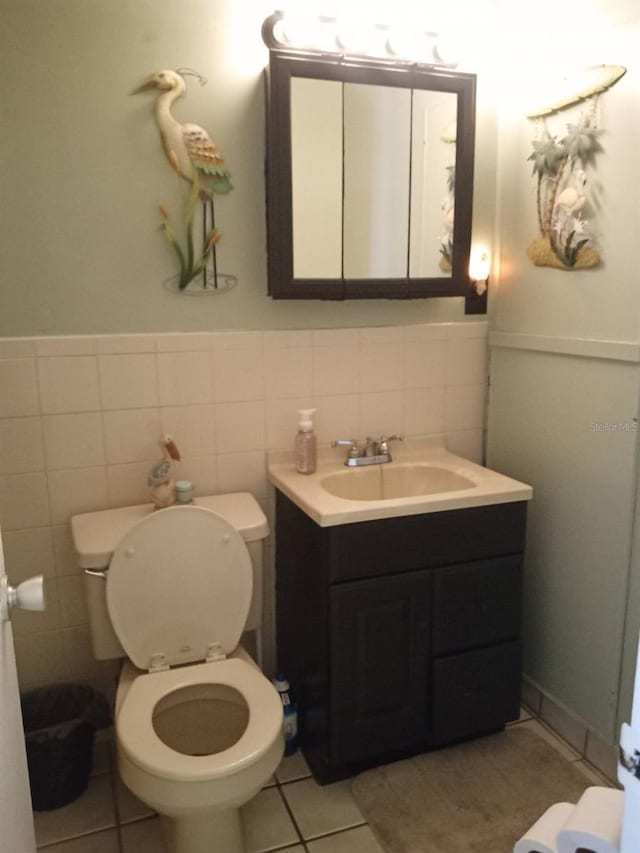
{"points": [[127, 484], [423, 411], [202, 471], [335, 370], [294, 338], [243, 472], [77, 652], [189, 342], [128, 381], [464, 407], [184, 377], [288, 372], [28, 552], [73, 492], [39, 658], [466, 361], [380, 335], [472, 329], [23, 501], [116, 344], [133, 435], [236, 340], [379, 367], [335, 337], [282, 421], [240, 426], [238, 374], [425, 332], [21, 446], [68, 384], [381, 413], [18, 388], [66, 559], [71, 345], [338, 417], [424, 364], [17, 347], [73, 441], [73, 610], [467, 443], [192, 427]]}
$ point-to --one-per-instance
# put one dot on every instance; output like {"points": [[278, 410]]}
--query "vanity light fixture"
{"points": [[332, 35], [479, 268]]}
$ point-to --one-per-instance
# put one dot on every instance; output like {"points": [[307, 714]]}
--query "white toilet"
{"points": [[198, 726]]}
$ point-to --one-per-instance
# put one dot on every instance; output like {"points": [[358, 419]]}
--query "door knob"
{"points": [[28, 595]]}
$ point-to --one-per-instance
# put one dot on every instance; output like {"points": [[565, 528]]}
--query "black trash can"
{"points": [[60, 723]]}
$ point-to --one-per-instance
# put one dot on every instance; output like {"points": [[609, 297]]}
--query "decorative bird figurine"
{"points": [[161, 485], [189, 148]]}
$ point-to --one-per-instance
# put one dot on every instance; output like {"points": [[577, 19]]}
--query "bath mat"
{"points": [[477, 797]]}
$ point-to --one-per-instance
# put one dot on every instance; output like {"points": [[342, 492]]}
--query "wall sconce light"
{"points": [[479, 268]]}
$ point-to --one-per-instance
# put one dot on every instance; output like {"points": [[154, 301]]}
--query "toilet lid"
{"points": [[179, 581]]}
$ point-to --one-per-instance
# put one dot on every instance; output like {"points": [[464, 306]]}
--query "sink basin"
{"points": [[423, 477], [382, 482]]}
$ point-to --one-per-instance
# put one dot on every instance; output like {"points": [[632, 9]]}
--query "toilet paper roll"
{"points": [[595, 824], [541, 838]]}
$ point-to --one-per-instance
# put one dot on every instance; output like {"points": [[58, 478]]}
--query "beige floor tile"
{"points": [[319, 809], [93, 811], [563, 748], [129, 807], [292, 768], [101, 758], [358, 840], [97, 842], [267, 824], [143, 837]]}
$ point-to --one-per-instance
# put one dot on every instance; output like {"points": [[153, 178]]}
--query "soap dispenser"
{"points": [[305, 444]]}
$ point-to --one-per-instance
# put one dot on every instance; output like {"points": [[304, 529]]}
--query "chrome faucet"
{"points": [[374, 452]]}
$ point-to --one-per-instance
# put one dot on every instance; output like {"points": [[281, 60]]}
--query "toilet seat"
{"points": [[179, 588], [138, 739]]}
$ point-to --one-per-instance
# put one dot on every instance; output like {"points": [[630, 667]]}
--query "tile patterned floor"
{"points": [[292, 813]]}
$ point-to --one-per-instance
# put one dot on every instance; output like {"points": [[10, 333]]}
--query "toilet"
{"points": [[198, 726]]}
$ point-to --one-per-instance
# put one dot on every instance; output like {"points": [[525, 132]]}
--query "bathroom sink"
{"points": [[386, 482], [423, 477]]}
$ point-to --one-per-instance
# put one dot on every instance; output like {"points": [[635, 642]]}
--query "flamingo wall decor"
{"points": [[194, 156], [560, 164]]}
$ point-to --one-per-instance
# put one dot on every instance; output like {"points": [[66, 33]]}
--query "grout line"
{"points": [[290, 813]]}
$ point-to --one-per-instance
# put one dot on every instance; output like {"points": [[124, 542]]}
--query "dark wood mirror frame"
{"points": [[283, 66]]}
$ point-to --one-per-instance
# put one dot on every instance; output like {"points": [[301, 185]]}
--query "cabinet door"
{"points": [[380, 635]]}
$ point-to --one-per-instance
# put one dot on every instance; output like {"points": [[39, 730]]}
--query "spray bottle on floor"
{"points": [[290, 714]]}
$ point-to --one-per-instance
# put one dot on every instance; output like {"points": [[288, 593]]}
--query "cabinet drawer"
{"points": [[477, 604], [475, 692], [391, 545]]}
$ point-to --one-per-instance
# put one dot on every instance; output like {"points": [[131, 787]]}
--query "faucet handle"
{"points": [[351, 443], [383, 442]]}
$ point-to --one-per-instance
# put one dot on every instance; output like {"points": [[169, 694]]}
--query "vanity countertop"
{"points": [[485, 487]]}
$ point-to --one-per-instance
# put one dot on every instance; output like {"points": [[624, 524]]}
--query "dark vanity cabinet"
{"points": [[399, 635]]}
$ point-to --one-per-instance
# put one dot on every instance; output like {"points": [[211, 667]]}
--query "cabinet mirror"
{"points": [[369, 179]]}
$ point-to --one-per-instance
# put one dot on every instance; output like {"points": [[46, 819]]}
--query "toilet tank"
{"points": [[97, 534]]}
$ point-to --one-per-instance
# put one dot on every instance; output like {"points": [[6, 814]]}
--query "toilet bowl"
{"points": [[198, 726]]}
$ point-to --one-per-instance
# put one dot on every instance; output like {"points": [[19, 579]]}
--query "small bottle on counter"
{"points": [[305, 444]]}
